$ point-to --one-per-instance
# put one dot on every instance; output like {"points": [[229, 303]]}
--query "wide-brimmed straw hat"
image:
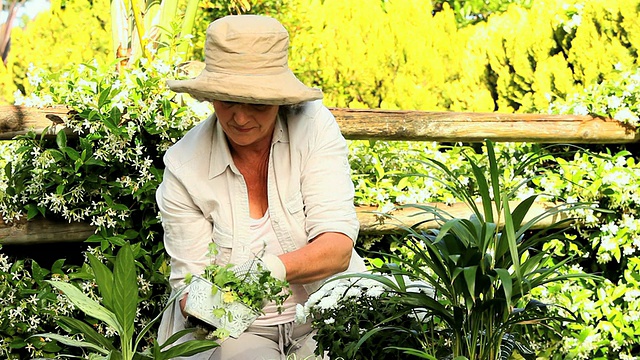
{"points": [[246, 61]]}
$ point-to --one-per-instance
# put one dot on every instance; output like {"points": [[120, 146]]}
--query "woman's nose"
{"points": [[241, 116]]}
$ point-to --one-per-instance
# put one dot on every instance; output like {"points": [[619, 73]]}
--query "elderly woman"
{"points": [[266, 175]]}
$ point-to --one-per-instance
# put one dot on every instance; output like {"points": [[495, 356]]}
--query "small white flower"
{"points": [[581, 110], [375, 291], [614, 102], [302, 312], [329, 321], [329, 302], [627, 116]]}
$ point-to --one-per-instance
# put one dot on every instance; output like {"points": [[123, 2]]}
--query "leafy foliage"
{"points": [[483, 269], [516, 70], [28, 305], [254, 289], [473, 11], [119, 291], [345, 309], [108, 176]]}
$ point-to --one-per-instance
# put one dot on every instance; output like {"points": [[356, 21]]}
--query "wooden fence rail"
{"points": [[404, 125], [355, 124]]}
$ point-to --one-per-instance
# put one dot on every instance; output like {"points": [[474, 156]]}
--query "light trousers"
{"points": [[289, 341]]}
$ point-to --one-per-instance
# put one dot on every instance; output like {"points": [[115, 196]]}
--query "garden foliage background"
{"points": [[549, 56]]}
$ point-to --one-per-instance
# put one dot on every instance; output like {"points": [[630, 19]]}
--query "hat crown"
{"points": [[246, 45], [246, 61]]}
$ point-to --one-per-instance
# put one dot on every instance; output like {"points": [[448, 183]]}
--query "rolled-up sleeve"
{"points": [[326, 180], [187, 233]]}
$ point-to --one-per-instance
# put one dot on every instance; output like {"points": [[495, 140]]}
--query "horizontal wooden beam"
{"points": [[476, 127], [18, 120], [372, 222], [43, 231], [403, 125]]}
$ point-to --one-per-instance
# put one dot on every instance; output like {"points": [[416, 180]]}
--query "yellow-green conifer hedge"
{"points": [[72, 32], [395, 54]]}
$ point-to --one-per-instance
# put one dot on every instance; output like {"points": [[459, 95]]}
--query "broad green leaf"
{"points": [[71, 153], [104, 279], [520, 212], [483, 190], [470, 278], [125, 292], [72, 342], [505, 278], [488, 236], [61, 139], [93, 161], [494, 174], [86, 304], [509, 233], [104, 94], [418, 353], [188, 348], [32, 211], [38, 272], [56, 154], [90, 334]]}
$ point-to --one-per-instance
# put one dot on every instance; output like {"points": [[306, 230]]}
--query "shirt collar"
{"points": [[220, 157]]}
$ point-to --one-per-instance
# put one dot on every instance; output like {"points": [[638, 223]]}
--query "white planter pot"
{"points": [[201, 304]]}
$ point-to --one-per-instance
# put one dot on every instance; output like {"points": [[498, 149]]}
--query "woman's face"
{"points": [[246, 125]]}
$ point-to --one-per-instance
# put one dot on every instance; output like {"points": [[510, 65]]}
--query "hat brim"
{"points": [[277, 89]]}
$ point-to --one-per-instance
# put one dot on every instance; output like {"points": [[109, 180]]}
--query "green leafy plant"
{"points": [[229, 298], [254, 289], [344, 309], [616, 97], [483, 268], [28, 306], [119, 291]]}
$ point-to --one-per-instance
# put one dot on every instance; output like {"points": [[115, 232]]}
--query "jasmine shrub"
{"points": [[106, 176]]}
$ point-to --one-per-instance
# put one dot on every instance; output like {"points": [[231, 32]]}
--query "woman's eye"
{"points": [[259, 107], [228, 103]]}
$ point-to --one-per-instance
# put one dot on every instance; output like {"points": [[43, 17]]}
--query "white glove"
{"points": [[251, 269]]}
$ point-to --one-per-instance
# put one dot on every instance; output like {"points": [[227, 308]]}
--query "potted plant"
{"points": [[229, 300], [484, 270]]}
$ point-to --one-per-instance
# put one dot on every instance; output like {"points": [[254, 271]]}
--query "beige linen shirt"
{"points": [[204, 198]]}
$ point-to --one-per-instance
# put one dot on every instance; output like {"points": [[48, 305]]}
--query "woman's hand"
{"points": [[183, 304]]}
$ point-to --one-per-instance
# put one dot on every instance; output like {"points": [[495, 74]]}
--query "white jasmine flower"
{"points": [[581, 110], [614, 102], [627, 116], [352, 292]]}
